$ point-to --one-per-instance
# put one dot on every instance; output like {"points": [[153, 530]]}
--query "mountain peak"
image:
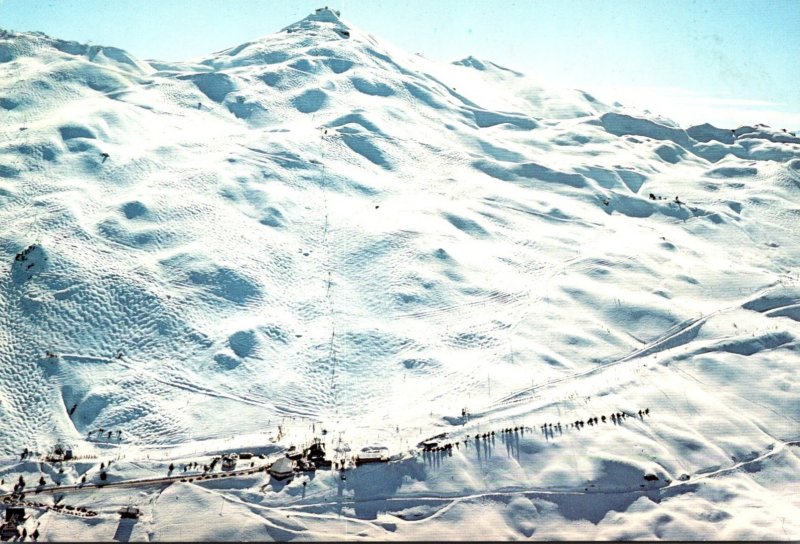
{"points": [[484, 65], [325, 17], [18, 45]]}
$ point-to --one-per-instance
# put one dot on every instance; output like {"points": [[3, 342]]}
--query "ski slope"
{"points": [[317, 230]]}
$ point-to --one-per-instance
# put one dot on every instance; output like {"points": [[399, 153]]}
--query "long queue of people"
{"points": [[614, 417], [546, 428]]}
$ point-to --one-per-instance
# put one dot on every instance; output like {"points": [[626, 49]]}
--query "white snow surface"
{"points": [[317, 230]]}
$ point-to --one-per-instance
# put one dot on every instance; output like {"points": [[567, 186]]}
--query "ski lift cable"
{"points": [[326, 242]]}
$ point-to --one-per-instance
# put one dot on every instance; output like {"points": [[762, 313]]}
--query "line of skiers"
{"points": [[491, 434], [614, 417], [654, 197], [546, 427], [108, 435], [23, 255], [444, 447]]}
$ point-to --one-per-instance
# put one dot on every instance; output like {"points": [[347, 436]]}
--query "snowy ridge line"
{"points": [[498, 204], [676, 333], [140, 366], [337, 135], [277, 158], [700, 475], [498, 297], [584, 263]]}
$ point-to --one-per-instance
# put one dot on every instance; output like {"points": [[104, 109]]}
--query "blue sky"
{"points": [[729, 62]]}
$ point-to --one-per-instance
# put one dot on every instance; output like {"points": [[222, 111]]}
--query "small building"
{"points": [[294, 455], [229, 462], [129, 512], [372, 454], [282, 468], [326, 10], [429, 445], [316, 450]]}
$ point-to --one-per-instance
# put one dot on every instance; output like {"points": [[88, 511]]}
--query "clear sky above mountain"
{"points": [[728, 62]]}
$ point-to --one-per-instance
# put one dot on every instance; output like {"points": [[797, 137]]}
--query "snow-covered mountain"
{"points": [[316, 231]]}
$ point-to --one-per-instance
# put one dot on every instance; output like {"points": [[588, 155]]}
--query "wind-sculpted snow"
{"points": [[315, 230]]}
